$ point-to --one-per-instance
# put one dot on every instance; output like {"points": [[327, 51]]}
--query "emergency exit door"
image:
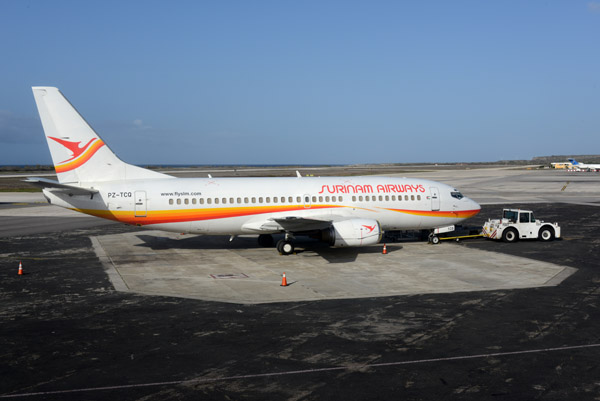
{"points": [[140, 204]]}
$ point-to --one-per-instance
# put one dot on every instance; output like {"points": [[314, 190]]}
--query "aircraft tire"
{"points": [[265, 240], [285, 247]]}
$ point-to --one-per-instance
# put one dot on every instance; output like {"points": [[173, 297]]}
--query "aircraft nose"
{"points": [[474, 206]]}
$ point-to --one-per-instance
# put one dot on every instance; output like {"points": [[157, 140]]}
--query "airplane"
{"points": [[342, 211], [584, 167]]}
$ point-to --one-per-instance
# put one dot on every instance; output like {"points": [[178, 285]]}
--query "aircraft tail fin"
{"points": [[78, 153], [574, 162]]}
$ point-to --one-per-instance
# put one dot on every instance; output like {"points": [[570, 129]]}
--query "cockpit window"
{"points": [[456, 194]]}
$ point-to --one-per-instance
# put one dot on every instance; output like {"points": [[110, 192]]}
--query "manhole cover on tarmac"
{"points": [[228, 276]]}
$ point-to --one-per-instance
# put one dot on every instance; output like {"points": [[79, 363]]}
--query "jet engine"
{"points": [[353, 232]]}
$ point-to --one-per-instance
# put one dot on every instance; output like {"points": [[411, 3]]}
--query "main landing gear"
{"points": [[284, 246], [266, 240]]}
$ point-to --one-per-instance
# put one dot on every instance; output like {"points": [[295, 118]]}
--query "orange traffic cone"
{"points": [[20, 268], [384, 250], [283, 281]]}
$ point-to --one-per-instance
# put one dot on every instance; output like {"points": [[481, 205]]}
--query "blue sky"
{"points": [[308, 82]]}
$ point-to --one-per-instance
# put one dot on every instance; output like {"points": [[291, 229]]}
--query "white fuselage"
{"points": [[248, 205]]}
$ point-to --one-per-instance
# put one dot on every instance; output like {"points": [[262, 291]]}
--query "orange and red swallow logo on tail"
{"points": [[80, 154]]}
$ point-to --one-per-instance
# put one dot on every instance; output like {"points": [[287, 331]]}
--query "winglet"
{"points": [[298, 174]]}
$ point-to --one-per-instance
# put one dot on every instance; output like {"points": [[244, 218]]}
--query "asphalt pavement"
{"points": [[67, 334]]}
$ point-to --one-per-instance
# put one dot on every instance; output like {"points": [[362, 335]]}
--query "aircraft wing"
{"points": [[291, 224], [71, 189], [299, 224]]}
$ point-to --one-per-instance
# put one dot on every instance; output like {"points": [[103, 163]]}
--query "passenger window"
{"points": [[360, 198], [320, 199], [216, 201], [412, 197], [231, 200], [245, 200], [340, 199], [394, 198], [193, 201], [405, 197], [418, 197], [209, 201], [291, 199], [387, 198], [201, 201], [186, 201], [283, 199], [170, 201], [306, 199], [268, 199], [314, 199], [353, 198], [274, 199], [179, 201], [260, 199], [327, 199], [239, 200], [253, 200]]}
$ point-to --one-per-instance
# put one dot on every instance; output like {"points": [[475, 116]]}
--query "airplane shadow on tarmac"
{"points": [[306, 247]]}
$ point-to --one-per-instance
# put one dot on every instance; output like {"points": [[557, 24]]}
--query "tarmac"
{"points": [[471, 320], [213, 269]]}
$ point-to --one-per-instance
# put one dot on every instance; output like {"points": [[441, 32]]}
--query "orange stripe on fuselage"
{"points": [[84, 157], [461, 214], [183, 215]]}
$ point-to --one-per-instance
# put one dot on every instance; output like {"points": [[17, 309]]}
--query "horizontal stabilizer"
{"points": [[71, 189]]}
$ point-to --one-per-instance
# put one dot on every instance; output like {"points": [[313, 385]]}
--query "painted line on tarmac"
{"points": [[304, 371]]}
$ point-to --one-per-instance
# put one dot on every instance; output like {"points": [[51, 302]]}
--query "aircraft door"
{"points": [[307, 203], [140, 204], [435, 198]]}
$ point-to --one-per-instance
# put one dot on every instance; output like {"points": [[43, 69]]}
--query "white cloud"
{"points": [[594, 6], [139, 124]]}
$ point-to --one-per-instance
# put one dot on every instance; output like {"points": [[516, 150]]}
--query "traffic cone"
{"points": [[20, 268], [283, 281], [384, 250]]}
